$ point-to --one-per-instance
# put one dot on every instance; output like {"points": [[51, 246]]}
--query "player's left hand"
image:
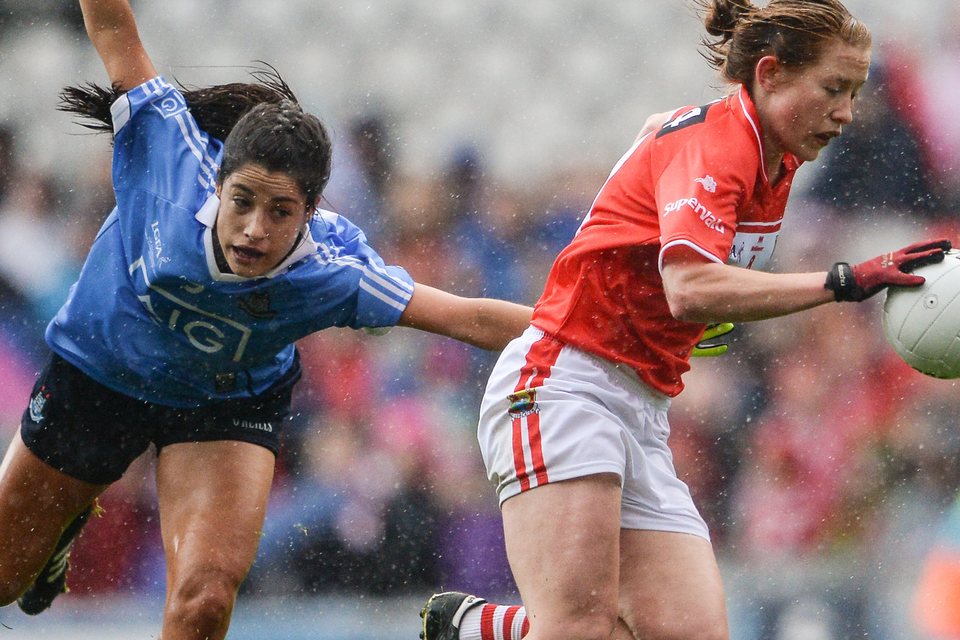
{"points": [[715, 330], [859, 282]]}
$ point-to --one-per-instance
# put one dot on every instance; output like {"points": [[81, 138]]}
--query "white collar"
{"points": [[207, 216]]}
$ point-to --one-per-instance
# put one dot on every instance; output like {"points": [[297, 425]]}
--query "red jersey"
{"points": [[698, 181]]}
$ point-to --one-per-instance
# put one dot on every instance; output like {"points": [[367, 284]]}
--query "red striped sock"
{"points": [[494, 622]]}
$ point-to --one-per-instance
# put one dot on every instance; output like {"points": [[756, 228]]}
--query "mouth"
{"points": [[823, 139], [246, 255]]}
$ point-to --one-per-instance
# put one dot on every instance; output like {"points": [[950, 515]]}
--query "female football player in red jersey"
{"points": [[603, 539]]}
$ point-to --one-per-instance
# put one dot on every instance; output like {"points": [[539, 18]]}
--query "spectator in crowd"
{"points": [[363, 166]]}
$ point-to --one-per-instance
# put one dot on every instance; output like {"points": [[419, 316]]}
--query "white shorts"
{"points": [[553, 412]]}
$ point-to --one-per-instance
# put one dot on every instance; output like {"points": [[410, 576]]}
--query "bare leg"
{"points": [[213, 497], [563, 545], [582, 577], [36, 503], [670, 587]]}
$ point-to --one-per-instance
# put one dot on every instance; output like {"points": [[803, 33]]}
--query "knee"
{"points": [[588, 625], [10, 590], [593, 628], [203, 599], [681, 627], [15, 577]]}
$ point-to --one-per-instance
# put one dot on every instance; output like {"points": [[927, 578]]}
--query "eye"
{"points": [[240, 202]]}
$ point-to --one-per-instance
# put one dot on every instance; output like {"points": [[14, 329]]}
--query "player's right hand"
{"points": [[859, 282]]}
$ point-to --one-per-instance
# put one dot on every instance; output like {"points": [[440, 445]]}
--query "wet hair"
{"points": [[281, 138], [259, 122], [796, 32]]}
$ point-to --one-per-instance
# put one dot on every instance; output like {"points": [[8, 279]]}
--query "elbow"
{"points": [[681, 308], [686, 306]]}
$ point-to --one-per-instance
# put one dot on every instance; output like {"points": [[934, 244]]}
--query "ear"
{"points": [[768, 74]]}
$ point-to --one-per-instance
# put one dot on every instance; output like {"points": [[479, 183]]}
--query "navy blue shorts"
{"points": [[93, 433]]}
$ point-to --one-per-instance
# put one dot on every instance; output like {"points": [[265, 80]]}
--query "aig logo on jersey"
{"points": [[523, 403], [204, 330]]}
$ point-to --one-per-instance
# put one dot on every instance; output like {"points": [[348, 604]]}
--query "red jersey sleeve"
{"points": [[702, 189]]}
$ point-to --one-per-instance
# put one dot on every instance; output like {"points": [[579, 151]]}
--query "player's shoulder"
{"points": [[154, 97], [714, 135], [330, 223], [713, 125]]}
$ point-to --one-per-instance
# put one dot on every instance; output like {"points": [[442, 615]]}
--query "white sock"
{"points": [[494, 622]]}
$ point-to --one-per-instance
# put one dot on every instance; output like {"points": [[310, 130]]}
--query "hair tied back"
{"points": [[723, 16], [289, 118]]}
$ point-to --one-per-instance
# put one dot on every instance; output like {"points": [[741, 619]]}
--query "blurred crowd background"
{"points": [[470, 141]]}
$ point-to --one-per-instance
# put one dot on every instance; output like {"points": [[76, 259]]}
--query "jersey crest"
{"points": [[523, 403], [257, 305]]}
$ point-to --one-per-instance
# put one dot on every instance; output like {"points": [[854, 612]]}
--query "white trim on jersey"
{"points": [[774, 223], [157, 86], [120, 113], [330, 216], [191, 135], [207, 216], [685, 243], [756, 132], [382, 297], [375, 275]]}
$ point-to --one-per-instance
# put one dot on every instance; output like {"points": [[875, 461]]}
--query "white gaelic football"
{"points": [[922, 324]]}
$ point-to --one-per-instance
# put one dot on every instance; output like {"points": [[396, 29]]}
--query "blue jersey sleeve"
{"points": [[158, 147], [379, 292]]}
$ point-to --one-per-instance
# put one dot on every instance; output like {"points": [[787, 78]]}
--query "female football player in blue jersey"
{"points": [[180, 331]]}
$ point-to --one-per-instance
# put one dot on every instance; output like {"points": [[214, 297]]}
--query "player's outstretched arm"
{"points": [[482, 322], [114, 35], [702, 291], [699, 290]]}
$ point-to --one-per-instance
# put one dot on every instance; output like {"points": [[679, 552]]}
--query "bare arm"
{"points": [[653, 123], [114, 35], [482, 322], [702, 291]]}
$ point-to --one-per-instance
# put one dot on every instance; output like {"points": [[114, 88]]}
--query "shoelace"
{"points": [[58, 564]]}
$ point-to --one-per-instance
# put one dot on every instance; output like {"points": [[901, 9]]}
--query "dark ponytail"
{"points": [[216, 109], [259, 122]]}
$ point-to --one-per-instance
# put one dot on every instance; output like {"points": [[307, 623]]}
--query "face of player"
{"points": [[260, 219], [801, 110]]}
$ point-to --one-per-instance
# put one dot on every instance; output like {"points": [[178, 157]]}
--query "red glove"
{"points": [[859, 282]]}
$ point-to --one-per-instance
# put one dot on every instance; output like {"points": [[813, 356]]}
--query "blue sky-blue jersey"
{"points": [[152, 316]]}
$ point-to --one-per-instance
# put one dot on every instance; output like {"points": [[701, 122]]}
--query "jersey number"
{"points": [[685, 119]]}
